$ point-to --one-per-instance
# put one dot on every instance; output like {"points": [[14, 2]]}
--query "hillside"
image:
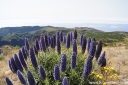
{"points": [[15, 35]]}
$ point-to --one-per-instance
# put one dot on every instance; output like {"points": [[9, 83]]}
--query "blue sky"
{"points": [[54, 12]]}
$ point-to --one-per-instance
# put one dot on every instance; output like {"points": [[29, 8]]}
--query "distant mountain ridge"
{"points": [[27, 29]]}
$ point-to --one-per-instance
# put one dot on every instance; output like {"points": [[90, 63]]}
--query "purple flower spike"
{"points": [[74, 46], [92, 48], [83, 44], [71, 36], [87, 67], [52, 42], [21, 78], [22, 60], [61, 37], [88, 44], [75, 34], [58, 46], [31, 80], [98, 50], [12, 65], [27, 44], [8, 81], [35, 50], [42, 72], [68, 41], [46, 40], [102, 60], [73, 60], [33, 58], [54, 39], [43, 44], [24, 53], [65, 81], [49, 40], [18, 63], [56, 73], [37, 44], [63, 62]]}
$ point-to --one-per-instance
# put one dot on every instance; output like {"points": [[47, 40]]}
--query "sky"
{"points": [[60, 12]]}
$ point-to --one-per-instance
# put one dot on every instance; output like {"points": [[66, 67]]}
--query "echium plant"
{"points": [[63, 62], [21, 78], [98, 50], [33, 59], [88, 44], [68, 41], [13, 65], [87, 67], [92, 48], [102, 60], [73, 60], [56, 73], [22, 60], [27, 44], [58, 46], [18, 63], [42, 43], [37, 44], [83, 44], [74, 46]]}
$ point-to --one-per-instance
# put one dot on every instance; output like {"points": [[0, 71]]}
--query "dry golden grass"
{"points": [[116, 57]]}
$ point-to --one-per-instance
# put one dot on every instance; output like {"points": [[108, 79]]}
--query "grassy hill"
{"points": [[32, 32]]}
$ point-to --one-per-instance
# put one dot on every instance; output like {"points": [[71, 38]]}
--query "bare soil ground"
{"points": [[116, 57]]}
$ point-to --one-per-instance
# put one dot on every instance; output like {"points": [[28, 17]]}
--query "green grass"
{"points": [[1, 57]]}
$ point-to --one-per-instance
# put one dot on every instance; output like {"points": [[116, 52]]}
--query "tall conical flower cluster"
{"points": [[21, 78], [92, 48], [71, 37], [87, 67], [75, 34], [83, 44], [8, 81], [63, 62], [102, 60], [31, 80], [13, 65], [68, 41], [98, 50], [52, 42], [24, 53], [46, 40], [56, 73], [74, 46], [22, 60], [42, 43], [27, 44], [37, 44], [88, 44], [73, 60], [18, 63], [33, 58], [65, 81], [58, 46], [61, 36], [42, 72]]}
